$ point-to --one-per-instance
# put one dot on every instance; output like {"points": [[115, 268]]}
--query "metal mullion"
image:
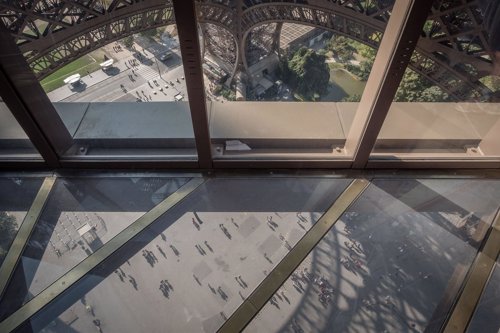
{"points": [[433, 164], [29, 126], [21, 165], [185, 17], [95, 259], [29, 103], [273, 281], [291, 164], [476, 282], [126, 173], [23, 234], [393, 56], [129, 164]]}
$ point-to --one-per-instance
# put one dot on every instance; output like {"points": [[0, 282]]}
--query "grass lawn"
{"points": [[89, 62]]}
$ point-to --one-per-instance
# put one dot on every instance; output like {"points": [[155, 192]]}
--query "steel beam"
{"points": [[191, 58], [28, 102], [476, 282], [399, 41], [24, 233]]}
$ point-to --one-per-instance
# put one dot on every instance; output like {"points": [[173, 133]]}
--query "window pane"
{"points": [[282, 78], [447, 103], [196, 264], [16, 197], [14, 143], [389, 263], [114, 73], [485, 318], [80, 216]]}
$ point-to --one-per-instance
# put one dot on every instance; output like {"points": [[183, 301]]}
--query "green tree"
{"points": [[283, 72], [362, 71], [342, 48], [415, 88], [352, 98], [429, 27], [8, 230], [367, 52], [151, 33], [128, 41], [433, 94], [228, 94], [308, 73]]}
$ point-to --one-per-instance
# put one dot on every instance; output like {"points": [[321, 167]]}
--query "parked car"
{"points": [[165, 55]]}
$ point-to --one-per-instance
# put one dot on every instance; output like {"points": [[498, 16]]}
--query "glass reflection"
{"points": [[485, 319], [142, 67], [195, 265], [80, 216], [388, 263], [274, 60], [100, 109], [96, 61], [451, 88], [14, 143], [16, 197]]}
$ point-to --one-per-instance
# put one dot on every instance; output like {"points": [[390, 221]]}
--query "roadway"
{"points": [[120, 85]]}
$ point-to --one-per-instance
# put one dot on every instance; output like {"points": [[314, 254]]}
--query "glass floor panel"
{"points": [[195, 265], [81, 215], [486, 318], [16, 197], [393, 263]]}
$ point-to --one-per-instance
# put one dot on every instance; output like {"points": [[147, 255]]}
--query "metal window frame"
{"points": [[187, 28], [39, 119], [393, 56], [23, 234], [433, 164], [24, 96], [479, 275], [30, 127]]}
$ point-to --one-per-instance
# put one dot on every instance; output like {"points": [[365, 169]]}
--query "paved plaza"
{"points": [[207, 274], [195, 266], [384, 267], [76, 222], [16, 196]]}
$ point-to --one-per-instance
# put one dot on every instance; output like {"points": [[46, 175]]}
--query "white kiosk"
{"points": [[73, 80], [107, 64]]}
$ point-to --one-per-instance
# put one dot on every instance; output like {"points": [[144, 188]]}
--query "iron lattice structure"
{"points": [[261, 41], [52, 33], [452, 52], [220, 43]]}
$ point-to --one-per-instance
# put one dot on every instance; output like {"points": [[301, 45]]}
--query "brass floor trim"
{"points": [[476, 282], [88, 264], [23, 234], [273, 281]]}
